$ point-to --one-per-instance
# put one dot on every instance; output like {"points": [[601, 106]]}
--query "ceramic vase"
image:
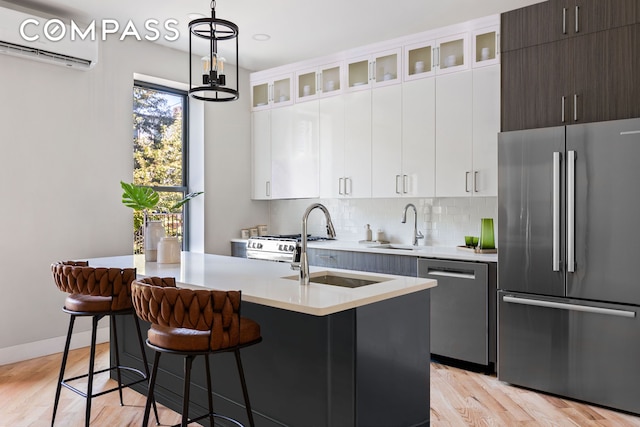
{"points": [[169, 250], [154, 231]]}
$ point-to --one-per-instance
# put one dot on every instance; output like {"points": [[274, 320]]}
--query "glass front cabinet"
{"points": [[318, 82], [271, 92], [486, 46], [378, 69]]}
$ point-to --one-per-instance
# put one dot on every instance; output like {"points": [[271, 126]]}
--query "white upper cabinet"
{"points": [[317, 82], [386, 142], [261, 154], [467, 126], [486, 125], [419, 138], [486, 46], [454, 135], [273, 92], [357, 152], [294, 151], [374, 69], [416, 116]]}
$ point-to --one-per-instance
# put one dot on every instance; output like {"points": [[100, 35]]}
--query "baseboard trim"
{"points": [[18, 353]]}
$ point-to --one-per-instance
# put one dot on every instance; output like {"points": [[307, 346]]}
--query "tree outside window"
{"points": [[159, 147]]}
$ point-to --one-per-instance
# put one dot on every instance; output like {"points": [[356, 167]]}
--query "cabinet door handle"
{"points": [[575, 107], [340, 186], [405, 184], [564, 20], [397, 179], [348, 186], [577, 19], [466, 181], [563, 101], [475, 181], [268, 188]]}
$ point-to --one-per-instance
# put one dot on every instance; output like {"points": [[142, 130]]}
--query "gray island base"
{"points": [[363, 366]]}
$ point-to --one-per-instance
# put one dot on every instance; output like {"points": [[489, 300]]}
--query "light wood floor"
{"points": [[458, 398]]}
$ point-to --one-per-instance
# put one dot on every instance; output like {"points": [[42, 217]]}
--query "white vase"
{"points": [[153, 232], [169, 250]]}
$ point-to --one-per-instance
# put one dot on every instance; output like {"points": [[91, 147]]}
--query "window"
{"points": [[160, 155]]}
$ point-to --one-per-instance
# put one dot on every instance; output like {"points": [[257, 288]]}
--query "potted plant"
{"points": [[145, 200]]}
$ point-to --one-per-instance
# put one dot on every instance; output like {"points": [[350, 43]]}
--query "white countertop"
{"points": [[417, 251], [263, 282]]}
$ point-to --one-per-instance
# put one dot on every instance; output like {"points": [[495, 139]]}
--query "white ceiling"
{"points": [[299, 29]]}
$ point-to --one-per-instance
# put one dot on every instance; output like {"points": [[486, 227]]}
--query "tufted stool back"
{"points": [[78, 279], [160, 303]]}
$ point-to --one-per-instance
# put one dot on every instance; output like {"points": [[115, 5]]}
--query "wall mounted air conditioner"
{"points": [[77, 54]]}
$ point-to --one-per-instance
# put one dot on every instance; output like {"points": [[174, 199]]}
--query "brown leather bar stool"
{"points": [[96, 292], [193, 323]]}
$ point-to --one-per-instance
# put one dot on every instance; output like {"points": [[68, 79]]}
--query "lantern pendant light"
{"points": [[215, 86]]}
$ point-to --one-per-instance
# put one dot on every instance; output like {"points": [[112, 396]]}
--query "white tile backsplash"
{"points": [[443, 221]]}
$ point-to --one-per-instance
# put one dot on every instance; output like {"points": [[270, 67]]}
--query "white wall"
{"points": [[443, 221], [66, 143]]}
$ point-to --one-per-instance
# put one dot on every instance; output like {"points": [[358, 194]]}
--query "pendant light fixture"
{"points": [[215, 86]]}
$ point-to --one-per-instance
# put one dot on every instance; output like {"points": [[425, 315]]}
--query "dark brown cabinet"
{"points": [[586, 76], [555, 20]]}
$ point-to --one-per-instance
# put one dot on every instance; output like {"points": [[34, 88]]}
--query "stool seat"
{"points": [[183, 339], [87, 303]]}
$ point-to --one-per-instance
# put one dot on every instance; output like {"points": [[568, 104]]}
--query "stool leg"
{"points": [[152, 385], [146, 363], [244, 388], [209, 390], [188, 360], [92, 359], [65, 354], [114, 330]]}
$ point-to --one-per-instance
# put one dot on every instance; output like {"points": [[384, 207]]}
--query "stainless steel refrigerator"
{"points": [[569, 261]]}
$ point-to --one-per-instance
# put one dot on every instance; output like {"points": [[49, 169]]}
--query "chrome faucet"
{"points": [[416, 234], [303, 265]]}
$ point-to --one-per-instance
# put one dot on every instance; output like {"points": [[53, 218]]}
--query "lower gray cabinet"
{"points": [[462, 310]]}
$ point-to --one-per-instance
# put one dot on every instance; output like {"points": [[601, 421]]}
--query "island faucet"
{"points": [[416, 234], [303, 265]]}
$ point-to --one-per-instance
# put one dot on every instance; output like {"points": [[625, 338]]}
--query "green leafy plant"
{"points": [[141, 198]]}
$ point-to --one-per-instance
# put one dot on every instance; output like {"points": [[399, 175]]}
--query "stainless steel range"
{"points": [[281, 247]]}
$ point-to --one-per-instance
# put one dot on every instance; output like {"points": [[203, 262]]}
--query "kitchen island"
{"points": [[331, 355]]}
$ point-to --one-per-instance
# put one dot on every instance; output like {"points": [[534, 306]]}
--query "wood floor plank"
{"points": [[458, 398]]}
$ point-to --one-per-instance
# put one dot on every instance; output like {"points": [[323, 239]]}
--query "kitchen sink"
{"points": [[399, 247], [346, 280]]}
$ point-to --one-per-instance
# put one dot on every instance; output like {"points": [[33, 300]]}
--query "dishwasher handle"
{"points": [[458, 274]]}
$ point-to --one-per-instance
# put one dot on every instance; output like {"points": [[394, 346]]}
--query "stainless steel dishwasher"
{"points": [[459, 309]]}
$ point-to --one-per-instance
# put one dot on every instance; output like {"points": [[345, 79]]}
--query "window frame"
{"points": [[184, 189]]}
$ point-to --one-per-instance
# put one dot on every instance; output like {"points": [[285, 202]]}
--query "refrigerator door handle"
{"points": [[566, 306], [571, 211], [556, 211]]}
